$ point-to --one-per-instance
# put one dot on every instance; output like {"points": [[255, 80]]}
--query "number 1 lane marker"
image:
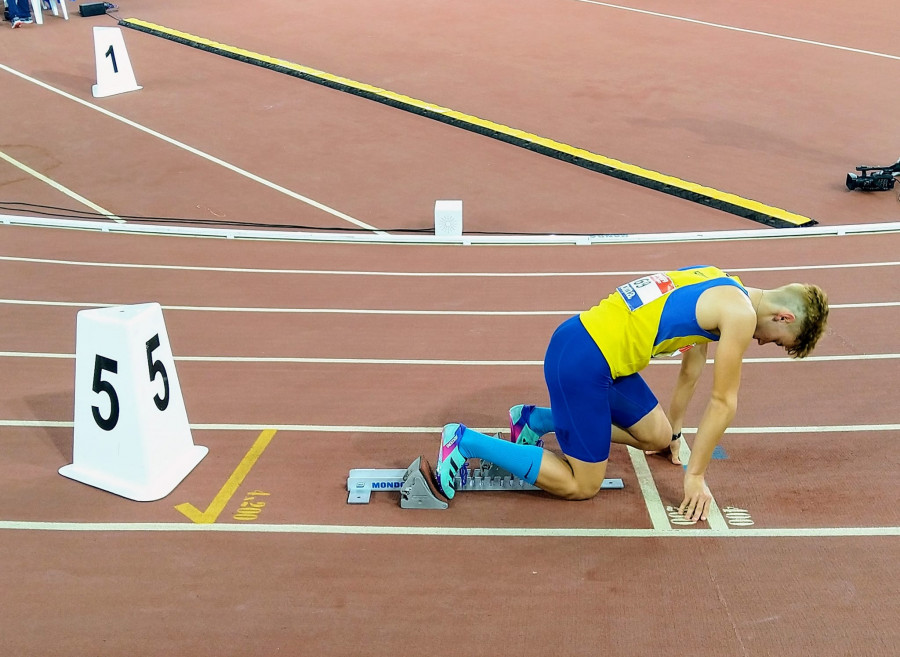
{"points": [[220, 501]]}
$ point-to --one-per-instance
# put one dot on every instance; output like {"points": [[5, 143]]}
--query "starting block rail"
{"points": [[418, 491]]}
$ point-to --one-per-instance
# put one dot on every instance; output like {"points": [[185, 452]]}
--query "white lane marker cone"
{"points": [[132, 436], [114, 72]]}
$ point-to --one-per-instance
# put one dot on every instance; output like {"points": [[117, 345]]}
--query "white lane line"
{"points": [[412, 274], [658, 516], [715, 518], [376, 530], [436, 361], [832, 428], [309, 360], [847, 306], [338, 428], [372, 311], [190, 149], [741, 29], [851, 265], [59, 187]]}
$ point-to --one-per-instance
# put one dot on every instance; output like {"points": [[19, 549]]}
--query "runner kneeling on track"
{"points": [[598, 397]]}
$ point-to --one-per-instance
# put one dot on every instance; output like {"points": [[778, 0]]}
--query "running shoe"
{"points": [[450, 460], [16, 22], [28, 20], [519, 431]]}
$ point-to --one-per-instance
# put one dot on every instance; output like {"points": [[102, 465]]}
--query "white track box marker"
{"points": [[448, 218], [131, 430]]}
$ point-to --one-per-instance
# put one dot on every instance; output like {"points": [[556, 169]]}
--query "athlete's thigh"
{"points": [[634, 407], [652, 429], [630, 399], [578, 381]]}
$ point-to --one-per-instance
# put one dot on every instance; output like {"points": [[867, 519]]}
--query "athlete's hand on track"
{"points": [[697, 498], [671, 452]]}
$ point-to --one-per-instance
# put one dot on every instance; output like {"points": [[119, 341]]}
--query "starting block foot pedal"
{"points": [[419, 490]]}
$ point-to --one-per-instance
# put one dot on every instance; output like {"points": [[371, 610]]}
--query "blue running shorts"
{"points": [[586, 401]]}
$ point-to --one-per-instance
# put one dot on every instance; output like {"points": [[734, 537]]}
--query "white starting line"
{"points": [[376, 530]]}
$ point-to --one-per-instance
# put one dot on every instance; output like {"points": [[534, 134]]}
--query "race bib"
{"points": [[677, 352], [644, 290]]}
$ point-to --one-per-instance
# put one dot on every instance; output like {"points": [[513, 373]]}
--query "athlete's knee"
{"points": [[577, 489], [576, 493], [653, 432], [659, 440]]}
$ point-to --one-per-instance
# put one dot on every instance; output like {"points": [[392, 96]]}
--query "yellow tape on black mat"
{"points": [[708, 196]]}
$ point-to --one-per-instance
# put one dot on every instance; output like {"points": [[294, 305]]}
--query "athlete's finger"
{"points": [[701, 509], [707, 503], [695, 514]]}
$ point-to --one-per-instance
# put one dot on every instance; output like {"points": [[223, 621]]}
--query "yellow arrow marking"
{"points": [[220, 501]]}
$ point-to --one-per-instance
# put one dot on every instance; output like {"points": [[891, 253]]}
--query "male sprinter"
{"points": [[597, 396]]}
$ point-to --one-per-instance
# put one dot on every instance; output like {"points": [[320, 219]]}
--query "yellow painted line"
{"points": [[190, 149], [648, 178], [220, 501], [59, 187]]}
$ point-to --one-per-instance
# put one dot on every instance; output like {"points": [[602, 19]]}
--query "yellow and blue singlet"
{"points": [[652, 316]]}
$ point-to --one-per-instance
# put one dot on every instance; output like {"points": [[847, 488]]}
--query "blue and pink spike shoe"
{"points": [[450, 461], [519, 430]]}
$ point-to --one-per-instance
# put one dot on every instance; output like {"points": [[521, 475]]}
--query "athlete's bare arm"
{"points": [[692, 363], [728, 311]]}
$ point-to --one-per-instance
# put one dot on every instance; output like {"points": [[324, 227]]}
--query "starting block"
{"points": [[418, 490]]}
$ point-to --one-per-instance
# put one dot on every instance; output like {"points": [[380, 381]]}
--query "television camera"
{"points": [[874, 179]]}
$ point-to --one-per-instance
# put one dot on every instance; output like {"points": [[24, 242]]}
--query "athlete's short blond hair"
{"points": [[812, 318]]}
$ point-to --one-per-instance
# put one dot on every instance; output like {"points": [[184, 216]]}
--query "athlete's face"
{"points": [[774, 330]]}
